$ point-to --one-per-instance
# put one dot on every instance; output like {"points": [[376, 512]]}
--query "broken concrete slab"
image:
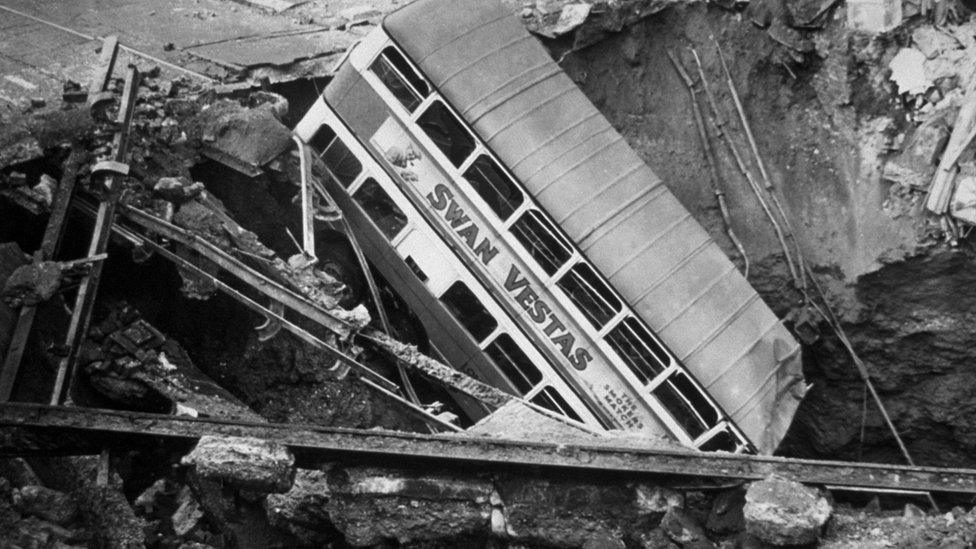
{"points": [[246, 463], [874, 16], [242, 138], [783, 512], [274, 6], [908, 71]]}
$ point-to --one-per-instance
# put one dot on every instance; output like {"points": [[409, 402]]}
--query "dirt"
{"points": [[824, 120]]}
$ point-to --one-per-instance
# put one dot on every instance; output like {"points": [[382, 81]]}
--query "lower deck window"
{"points": [[517, 367], [469, 311], [549, 399], [380, 208], [682, 399], [724, 440], [590, 294], [638, 349]]}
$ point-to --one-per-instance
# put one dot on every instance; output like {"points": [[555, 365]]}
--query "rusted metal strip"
{"points": [[314, 444], [106, 65], [239, 270], [102, 231]]}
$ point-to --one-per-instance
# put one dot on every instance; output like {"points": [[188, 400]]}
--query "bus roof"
{"points": [[620, 214]]}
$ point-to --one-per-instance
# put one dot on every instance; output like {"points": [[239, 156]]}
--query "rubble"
{"points": [[45, 503], [782, 512], [357, 504]]}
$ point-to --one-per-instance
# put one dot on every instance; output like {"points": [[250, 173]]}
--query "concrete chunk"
{"points": [[783, 512], [246, 463]]}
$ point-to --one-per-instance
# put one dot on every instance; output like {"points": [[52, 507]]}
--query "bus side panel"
{"points": [[443, 332], [355, 101]]}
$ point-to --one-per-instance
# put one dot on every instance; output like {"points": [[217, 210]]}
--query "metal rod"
{"points": [[706, 143], [797, 271], [716, 121]]}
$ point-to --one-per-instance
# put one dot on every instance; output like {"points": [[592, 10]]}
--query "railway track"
{"points": [[70, 430]]}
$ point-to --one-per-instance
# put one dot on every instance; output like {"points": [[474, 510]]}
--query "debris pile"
{"points": [[217, 171]]}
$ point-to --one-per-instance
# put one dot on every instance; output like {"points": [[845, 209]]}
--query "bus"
{"points": [[536, 249]]}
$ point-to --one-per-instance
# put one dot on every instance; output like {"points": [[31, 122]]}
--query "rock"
{"points": [[604, 541], [654, 499], [18, 472], [932, 41], [247, 463], [148, 500], [45, 503], [188, 513], [680, 526], [915, 165], [784, 512], [912, 511], [177, 189], [32, 284], [656, 539], [874, 15], [908, 71], [726, 516]]}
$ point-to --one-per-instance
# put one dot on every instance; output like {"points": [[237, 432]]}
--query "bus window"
{"points": [[513, 363], [380, 208], [541, 240], [447, 132], [638, 349], [400, 78], [337, 157], [466, 308], [497, 190], [686, 404], [549, 399], [722, 440], [590, 294]]}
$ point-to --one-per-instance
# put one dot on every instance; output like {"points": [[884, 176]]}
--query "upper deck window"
{"points": [[337, 157], [447, 132], [551, 400], [638, 349], [493, 186], [400, 78], [686, 404], [590, 294], [380, 208], [469, 311], [541, 240], [517, 367]]}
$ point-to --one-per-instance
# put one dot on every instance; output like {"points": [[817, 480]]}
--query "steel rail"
{"points": [[314, 444]]}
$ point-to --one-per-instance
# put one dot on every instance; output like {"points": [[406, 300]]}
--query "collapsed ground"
{"points": [[828, 120]]}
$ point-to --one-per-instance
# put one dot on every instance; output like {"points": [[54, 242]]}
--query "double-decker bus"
{"points": [[537, 250]]}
